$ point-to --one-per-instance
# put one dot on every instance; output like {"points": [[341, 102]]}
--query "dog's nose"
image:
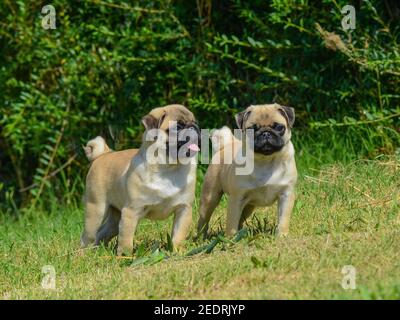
{"points": [[266, 134]]}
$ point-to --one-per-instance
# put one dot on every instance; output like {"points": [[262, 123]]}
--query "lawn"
{"points": [[345, 215]]}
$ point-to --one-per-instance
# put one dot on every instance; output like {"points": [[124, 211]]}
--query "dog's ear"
{"points": [[149, 122], [161, 120], [288, 113], [241, 118]]}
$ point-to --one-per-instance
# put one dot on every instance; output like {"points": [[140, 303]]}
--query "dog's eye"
{"points": [[180, 125], [279, 127]]}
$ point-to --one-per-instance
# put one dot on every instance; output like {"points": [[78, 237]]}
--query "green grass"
{"points": [[344, 215]]}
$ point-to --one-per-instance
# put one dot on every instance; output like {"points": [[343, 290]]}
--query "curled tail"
{"points": [[220, 138], [95, 148]]}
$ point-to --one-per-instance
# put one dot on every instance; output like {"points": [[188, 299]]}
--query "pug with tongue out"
{"points": [[126, 186]]}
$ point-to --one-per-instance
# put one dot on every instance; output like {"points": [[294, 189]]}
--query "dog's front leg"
{"points": [[127, 227], [182, 222], [235, 209], [285, 207]]}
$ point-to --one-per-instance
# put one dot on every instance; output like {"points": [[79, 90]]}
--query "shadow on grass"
{"points": [[152, 251]]}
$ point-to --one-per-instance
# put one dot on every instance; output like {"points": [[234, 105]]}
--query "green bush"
{"points": [[108, 63]]}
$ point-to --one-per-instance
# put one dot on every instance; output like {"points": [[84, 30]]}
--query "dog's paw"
{"points": [[282, 234], [86, 241], [124, 252], [200, 236], [179, 248]]}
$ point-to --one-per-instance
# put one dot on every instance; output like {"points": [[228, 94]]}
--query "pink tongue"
{"points": [[194, 147]]}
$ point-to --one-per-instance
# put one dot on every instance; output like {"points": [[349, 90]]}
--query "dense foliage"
{"points": [[109, 62]]}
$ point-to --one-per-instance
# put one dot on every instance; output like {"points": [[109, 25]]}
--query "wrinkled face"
{"points": [[271, 124], [177, 128]]}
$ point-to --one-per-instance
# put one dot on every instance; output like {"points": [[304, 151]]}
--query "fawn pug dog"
{"points": [[273, 177], [122, 187]]}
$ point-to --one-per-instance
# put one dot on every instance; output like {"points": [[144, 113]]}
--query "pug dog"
{"points": [[123, 187], [274, 175]]}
